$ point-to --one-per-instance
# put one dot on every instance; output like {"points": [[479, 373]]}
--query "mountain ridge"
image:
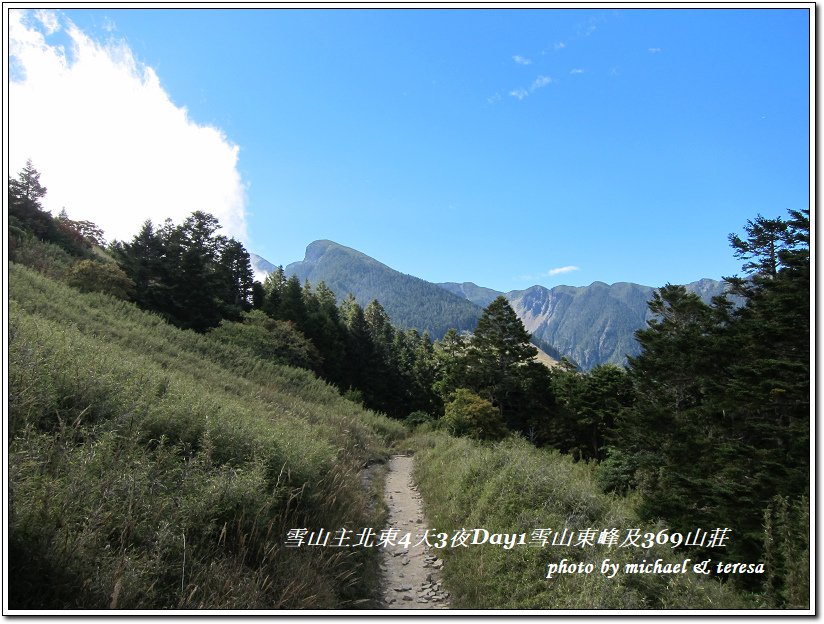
{"points": [[590, 325], [410, 302]]}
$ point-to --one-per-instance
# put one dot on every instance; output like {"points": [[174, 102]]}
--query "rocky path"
{"points": [[412, 575]]}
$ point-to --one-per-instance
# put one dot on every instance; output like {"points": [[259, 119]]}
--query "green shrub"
{"points": [[46, 258], [418, 418], [616, 472], [269, 339], [467, 414], [105, 277]]}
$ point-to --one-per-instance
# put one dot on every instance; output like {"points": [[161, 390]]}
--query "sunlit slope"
{"points": [[511, 487], [410, 302], [155, 468]]}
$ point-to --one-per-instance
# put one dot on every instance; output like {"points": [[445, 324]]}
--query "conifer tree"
{"points": [[27, 216], [359, 348], [238, 278], [499, 349], [27, 188], [450, 364], [762, 245], [188, 273], [720, 425], [423, 378], [273, 287], [329, 334], [292, 305]]}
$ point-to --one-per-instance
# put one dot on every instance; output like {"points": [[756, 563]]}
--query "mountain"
{"points": [[410, 302], [476, 294], [593, 324], [261, 267], [589, 325]]}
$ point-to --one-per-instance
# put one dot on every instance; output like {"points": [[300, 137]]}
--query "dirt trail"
{"points": [[412, 576]]}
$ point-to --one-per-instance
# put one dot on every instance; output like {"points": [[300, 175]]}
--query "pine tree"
{"points": [[329, 335], [589, 405], [499, 349], [387, 384], [450, 364], [720, 424], [238, 278], [188, 273], [292, 306], [142, 260], [27, 188], [424, 375], [761, 248], [27, 216], [273, 287], [197, 285]]}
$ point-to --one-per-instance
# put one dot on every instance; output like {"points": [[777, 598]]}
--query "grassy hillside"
{"points": [[156, 468], [513, 487]]}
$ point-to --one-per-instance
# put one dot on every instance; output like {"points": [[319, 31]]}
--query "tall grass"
{"points": [[513, 487], [155, 468]]}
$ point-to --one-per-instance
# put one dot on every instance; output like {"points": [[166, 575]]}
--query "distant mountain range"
{"points": [[593, 324], [590, 325]]}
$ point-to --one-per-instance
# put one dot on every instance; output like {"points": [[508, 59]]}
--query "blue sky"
{"points": [[504, 147]]}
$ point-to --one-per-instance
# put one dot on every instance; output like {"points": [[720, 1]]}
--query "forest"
{"points": [[157, 369]]}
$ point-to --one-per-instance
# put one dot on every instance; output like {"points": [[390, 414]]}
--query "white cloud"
{"points": [[110, 144], [550, 273], [565, 269], [560, 45], [521, 60], [492, 99], [577, 71], [519, 93], [540, 82], [654, 50], [49, 21]]}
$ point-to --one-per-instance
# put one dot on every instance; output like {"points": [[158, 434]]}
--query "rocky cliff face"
{"points": [[593, 324]]}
